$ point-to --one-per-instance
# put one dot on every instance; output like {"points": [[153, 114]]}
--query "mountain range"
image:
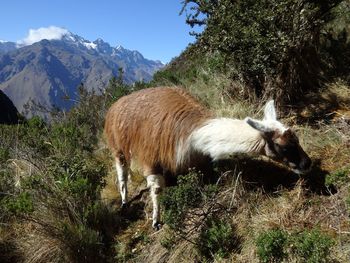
{"points": [[48, 72]]}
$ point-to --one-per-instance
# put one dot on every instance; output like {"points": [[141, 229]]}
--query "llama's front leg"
{"points": [[156, 183], [122, 179]]}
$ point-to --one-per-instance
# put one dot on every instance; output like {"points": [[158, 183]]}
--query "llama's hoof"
{"points": [[157, 226], [124, 206]]}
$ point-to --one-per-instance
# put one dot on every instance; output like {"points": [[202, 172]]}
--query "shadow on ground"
{"points": [[270, 176]]}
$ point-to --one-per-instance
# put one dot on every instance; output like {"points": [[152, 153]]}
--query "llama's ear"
{"points": [[259, 125], [270, 111]]}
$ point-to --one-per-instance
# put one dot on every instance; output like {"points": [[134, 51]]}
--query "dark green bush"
{"points": [[271, 46], [194, 206], [116, 89], [308, 246], [166, 77], [217, 239], [178, 199], [312, 246], [19, 204], [271, 246], [188, 194]]}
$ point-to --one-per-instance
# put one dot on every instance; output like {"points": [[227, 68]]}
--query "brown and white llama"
{"points": [[166, 129]]}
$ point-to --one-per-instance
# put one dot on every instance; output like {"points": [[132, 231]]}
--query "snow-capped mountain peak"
{"points": [[79, 41], [103, 47]]}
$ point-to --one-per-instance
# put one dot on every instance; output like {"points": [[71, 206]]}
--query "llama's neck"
{"points": [[221, 137]]}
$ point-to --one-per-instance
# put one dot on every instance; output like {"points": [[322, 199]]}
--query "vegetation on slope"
{"points": [[58, 200]]}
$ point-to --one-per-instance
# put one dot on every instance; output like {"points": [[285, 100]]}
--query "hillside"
{"points": [[59, 201]]}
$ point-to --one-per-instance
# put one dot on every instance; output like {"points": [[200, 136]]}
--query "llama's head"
{"points": [[282, 143]]}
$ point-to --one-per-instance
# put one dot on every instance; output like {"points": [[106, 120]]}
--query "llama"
{"points": [[166, 129]]}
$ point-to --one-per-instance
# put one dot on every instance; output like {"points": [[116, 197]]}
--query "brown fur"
{"points": [[148, 125]]}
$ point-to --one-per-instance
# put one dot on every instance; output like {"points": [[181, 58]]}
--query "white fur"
{"points": [[156, 183], [270, 122], [219, 138], [181, 153], [266, 125], [122, 175], [270, 111]]}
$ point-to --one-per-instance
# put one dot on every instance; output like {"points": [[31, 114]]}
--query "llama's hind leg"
{"points": [[156, 183], [122, 168]]}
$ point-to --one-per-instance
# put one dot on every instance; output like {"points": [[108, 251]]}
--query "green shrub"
{"points": [[312, 246], [271, 245], [166, 77], [17, 205], [178, 199], [116, 89], [308, 246], [339, 177], [217, 239], [270, 46], [189, 193]]}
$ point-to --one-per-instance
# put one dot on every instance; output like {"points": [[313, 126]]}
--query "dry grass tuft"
{"points": [[38, 247], [331, 102]]}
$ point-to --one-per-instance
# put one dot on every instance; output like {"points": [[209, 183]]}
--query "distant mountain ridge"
{"points": [[49, 71], [6, 46]]}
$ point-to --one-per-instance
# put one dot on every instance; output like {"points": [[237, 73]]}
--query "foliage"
{"points": [[193, 206], [20, 204], [218, 239], [336, 51], [311, 246], [116, 89], [339, 177], [179, 199], [271, 245], [271, 46], [188, 194], [166, 77], [58, 179]]}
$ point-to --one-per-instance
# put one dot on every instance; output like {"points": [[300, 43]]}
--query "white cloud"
{"points": [[49, 33]]}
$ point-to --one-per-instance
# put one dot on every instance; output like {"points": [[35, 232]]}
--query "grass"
{"points": [[62, 205]]}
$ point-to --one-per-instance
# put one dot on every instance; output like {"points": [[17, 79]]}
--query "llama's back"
{"points": [[150, 124]]}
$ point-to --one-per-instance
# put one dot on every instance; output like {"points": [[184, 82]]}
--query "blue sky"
{"points": [[152, 27]]}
